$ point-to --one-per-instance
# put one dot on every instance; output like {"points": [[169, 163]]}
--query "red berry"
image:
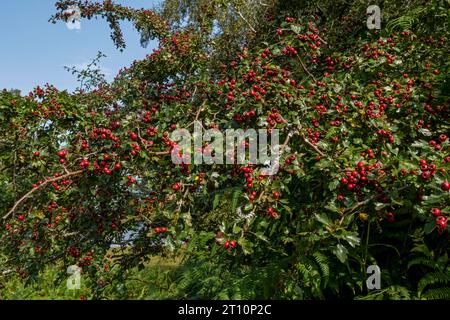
{"points": [[37, 153], [133, 136], [390, 217], [117, 166], [233, 243], [276, 195], [20, 218], [441, 223], [425, 175], [436, 212], [176, 186], [158, 230], [445, 186], [163, 229], [226, 245]]}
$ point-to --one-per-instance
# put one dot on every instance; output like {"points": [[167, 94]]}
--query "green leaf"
{"points": [[341, 253], [234, 200], [429, 227], [333, 184], [297, 29], [247, 246], [380, 205], [352, 239], [348, 219], [236, 229], [261, 236], [323, 218], [216, 201]]}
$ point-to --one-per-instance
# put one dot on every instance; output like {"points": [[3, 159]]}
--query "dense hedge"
{"points": [[363, 178]]}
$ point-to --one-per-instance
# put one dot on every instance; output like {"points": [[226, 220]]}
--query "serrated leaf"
{"points": [[247, 246], [297, 29], [236, 229], [333, 185]]}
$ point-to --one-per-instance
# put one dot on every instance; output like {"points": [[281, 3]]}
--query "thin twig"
{"points": [[306, 69], [316, 149], [248, 23], [321, 39], [39, 187], [158, 153], [197, 115], [309, 143], [361, 203], [14, 176]]}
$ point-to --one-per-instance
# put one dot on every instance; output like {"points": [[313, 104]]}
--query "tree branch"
{"points": [[26, 196], [245, 20], [362, 203], [306, 69], [309, 143]]}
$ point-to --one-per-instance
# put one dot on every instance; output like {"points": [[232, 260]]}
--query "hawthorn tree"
{"points": [[363, 177]]}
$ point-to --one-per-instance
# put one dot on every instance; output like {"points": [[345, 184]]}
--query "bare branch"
{"points": [[248, 23], [362, 203], [26, 196], [306, 69], [309, 143]]}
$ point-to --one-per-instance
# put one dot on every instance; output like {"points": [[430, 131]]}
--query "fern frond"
{"points": [[322, 262], [433, 278], [437, 294], [398, 293], [421, 261], [405, 22]]}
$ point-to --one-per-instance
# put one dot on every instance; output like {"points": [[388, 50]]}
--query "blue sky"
{"points": [[34, 51]]}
